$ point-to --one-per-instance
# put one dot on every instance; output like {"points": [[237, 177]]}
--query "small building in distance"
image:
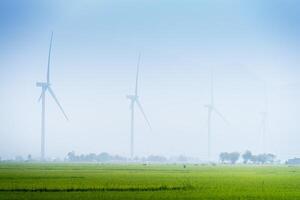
{"points": [[294, 161]]}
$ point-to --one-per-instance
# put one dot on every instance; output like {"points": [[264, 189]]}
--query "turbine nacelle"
{"points": [[42, 84], [132, 97], [209, 106]]}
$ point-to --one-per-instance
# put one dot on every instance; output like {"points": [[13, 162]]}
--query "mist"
{"points": [[251, 46]]}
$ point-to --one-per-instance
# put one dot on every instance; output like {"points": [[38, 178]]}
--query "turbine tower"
{"points": [[46, 86], [264, 120], [134, 99], [211, 109]]}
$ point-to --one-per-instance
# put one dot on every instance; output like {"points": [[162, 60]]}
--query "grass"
{"points": [[99, 181]]}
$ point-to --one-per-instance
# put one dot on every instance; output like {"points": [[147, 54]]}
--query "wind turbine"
{"points": [[46, 86], [264, 120], [134, 99], [211, 109]]}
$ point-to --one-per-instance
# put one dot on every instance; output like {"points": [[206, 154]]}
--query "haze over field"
{"points": [[249, 44]]}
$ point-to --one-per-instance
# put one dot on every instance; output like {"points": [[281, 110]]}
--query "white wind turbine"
{"points": [[211, 109], [134, 99], [46, 86], [264, 120], [262, 144]]}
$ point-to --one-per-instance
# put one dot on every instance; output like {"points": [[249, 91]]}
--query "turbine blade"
{"points": [[57, 102], [43, 91], [221, 115], [137, 74], [144, 114], [49, 55], [41, 96], [212, 87]]}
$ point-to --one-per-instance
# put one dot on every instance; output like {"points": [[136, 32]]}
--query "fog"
{"points": [[252, 47]]}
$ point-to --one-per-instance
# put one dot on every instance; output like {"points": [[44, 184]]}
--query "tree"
{"points": [[223, 157], [247, 156], [262, 158], [91, 157], [71, 156], [266, 158], [154, 158], [182, 158], [271, 158], [234, 157], [103, 157], [254, 159], [29, 157]]}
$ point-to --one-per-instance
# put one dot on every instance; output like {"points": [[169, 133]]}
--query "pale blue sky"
{"points": [[95, 49]]}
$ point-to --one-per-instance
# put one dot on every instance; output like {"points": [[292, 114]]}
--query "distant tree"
{"points": [[265, 158], [103, 157], [81, 158], [153, 158], [261, 158], [119, 158], [223, 157], [232, 158], [247, 156], [254, 159], [71, 156], [182, 158], [29, 157], [271, 158], [92, 157]]}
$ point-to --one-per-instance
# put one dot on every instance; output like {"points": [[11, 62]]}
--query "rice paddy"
{"points": [[137, 181]]}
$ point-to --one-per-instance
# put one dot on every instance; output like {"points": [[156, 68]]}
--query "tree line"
{"points": [[247, 157], [105, 157]]}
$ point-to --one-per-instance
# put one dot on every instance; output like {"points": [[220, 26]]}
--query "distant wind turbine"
{"points": [[211, 108], [264, 120], [46, 86], [264, 113], [134, 99]]}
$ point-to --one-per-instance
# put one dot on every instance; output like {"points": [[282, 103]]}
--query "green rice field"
{"points": [[137, 181]]}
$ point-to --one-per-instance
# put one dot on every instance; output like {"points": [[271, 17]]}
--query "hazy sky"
{"points": [[95, 50]]}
